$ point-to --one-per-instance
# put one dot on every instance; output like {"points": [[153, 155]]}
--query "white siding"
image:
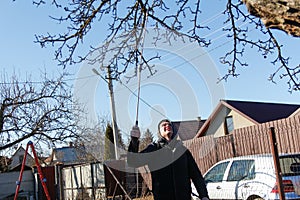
{"points": [[8, 183]]}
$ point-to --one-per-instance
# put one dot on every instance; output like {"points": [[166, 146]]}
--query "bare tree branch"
{"points": [[126, 24], [291, 73], [45, 114]]}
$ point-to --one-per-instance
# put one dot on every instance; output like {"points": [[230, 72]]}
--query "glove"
{"points": [[135, 132]]}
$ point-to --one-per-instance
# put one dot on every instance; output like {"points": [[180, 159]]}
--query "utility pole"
{"points": [[274, 149], [108, 80], [113, 112]]}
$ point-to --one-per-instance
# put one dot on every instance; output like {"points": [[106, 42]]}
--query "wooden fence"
{"points": [[246, 141]]}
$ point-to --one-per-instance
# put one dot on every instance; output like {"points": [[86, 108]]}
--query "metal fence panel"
{"points": [[84, 181]]}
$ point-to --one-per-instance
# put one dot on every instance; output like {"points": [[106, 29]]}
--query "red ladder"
{"points": [[42, 179]]}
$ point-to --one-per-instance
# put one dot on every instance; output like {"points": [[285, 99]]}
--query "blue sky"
{"points": [[184, 87]]}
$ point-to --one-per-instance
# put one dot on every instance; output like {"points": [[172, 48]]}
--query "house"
{"points": [[17, 159], [69, 155], [231, 114], [297, 112], [187, 129]]}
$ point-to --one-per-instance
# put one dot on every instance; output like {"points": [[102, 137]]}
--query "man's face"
{"points": [[166, 130]]}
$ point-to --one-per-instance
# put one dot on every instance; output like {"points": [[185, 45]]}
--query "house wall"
{"points": [[240, 121], [216, 127], [16, 158], [8, 183]]}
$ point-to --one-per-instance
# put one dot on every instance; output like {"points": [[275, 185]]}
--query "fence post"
{"points": [[274, 149], [59, 181], [233, 146], [93, 178]]}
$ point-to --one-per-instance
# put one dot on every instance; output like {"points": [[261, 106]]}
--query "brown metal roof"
{"points": [[187, 129], [70, 155]]}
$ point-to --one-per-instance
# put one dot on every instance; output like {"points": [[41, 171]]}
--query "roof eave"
{"points": [[222, 103]]}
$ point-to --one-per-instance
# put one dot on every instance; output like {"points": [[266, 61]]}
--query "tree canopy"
{"points": [[146, 139], [44, 112], [125, 22], [109, 146]]}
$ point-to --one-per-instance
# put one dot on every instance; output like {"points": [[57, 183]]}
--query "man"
{"points": [[172, 165]]}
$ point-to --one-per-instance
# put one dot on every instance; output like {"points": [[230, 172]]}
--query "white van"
{"points": [[253, 177]]}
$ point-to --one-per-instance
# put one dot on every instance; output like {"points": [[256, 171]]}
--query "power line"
{"points": [[174, 67], [179, 65], [85, 77], [132, 92], [41, 82]]}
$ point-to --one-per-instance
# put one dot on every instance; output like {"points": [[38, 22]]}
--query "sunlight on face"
{"points": [[166, 130]]}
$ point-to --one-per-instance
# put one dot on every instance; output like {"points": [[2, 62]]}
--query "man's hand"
{"points": [[135, 132], [134, 142]]}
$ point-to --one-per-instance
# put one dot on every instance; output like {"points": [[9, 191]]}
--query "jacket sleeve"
{"points": [[135, 158], [196, 176], [134, 145]]}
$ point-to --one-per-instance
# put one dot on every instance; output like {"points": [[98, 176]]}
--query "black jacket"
{"points": [[172, 168]]}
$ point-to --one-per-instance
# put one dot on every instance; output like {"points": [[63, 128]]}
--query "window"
{"points": [[228, 124], [216, 173], [241, 170], [21, 159], [290, 165]]}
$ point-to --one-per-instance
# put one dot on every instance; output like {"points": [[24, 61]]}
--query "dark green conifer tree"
{"points": [[146, 139], [109, 151]]}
